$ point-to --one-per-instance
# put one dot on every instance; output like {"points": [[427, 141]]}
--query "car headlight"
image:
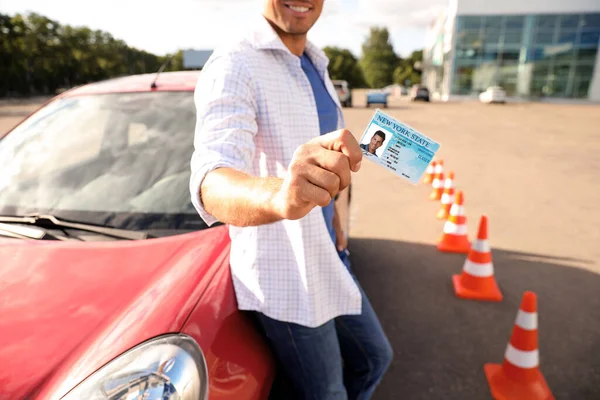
{"points": [[166, 368]]}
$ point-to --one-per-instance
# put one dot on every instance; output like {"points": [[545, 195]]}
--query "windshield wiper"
{"points": [[26, 232], [50, 221]]}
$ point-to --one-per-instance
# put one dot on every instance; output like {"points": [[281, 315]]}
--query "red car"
{"points": [[111, 286]]}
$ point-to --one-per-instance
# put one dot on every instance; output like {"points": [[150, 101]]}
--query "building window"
{"points": [[539, 54], [491, 37], [569, 22], [562, 71], [490, 54], [542, 55], [544, 37], [470, 22], [581, 87], [513, 37], [467, 54], [567, 36], [557, 86], [590, 21], [492, 22], [469, 38], [584, 71], [587, 55], [509, 55], [562, 45], [514, 22], [589, 38], [463, 81], [538, 87], [508, 77], [546, 22]]}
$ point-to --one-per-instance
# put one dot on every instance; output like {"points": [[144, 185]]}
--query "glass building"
{"points": [[548, 51]]}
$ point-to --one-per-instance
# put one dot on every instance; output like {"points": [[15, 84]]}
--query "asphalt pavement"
{"points": [[532, 168]]}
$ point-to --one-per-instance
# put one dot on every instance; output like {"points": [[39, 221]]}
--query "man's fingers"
{"points": [[335, 162], [323, 178], [313, 194], [343, 141], [321, 168]]}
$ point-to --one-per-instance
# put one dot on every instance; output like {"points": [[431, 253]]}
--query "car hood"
{"points": [[67, 308]]}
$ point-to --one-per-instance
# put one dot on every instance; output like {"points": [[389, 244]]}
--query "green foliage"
{"points": [[344, 66], [39, 56], [406, 69], [417, 55], [378, 61], [176, 63]]}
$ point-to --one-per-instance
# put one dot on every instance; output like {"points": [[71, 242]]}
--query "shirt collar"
{"points": [[264, 37]]}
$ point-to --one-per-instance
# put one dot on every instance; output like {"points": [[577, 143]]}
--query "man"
{"points": [[269, 159], [376, 141]]}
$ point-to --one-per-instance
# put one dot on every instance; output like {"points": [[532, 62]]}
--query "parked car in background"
{"points": [[418, 92], [344, 93], [377, 97], [493, 94], [112, 286]]}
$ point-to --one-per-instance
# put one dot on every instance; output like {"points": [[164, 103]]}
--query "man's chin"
{"points": [[297, 31], [297, 28]]}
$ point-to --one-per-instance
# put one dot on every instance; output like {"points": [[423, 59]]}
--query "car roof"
{"points": [[167, 81]]}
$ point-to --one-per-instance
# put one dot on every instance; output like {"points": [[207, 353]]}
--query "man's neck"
{"points": [[295, 43]]}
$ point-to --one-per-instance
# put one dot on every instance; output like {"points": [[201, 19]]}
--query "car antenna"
{"points": [[161, 69]]}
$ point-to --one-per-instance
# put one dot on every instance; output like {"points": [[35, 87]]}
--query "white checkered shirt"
{"points": [[255, 106]]}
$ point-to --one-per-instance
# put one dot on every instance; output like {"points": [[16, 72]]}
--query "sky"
{"points": [[167, 26]]}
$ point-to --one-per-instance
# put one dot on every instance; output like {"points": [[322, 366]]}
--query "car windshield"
{"points": [[119, 160]]}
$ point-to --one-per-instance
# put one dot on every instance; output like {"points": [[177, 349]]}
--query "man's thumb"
{"points": [[343, 141]]}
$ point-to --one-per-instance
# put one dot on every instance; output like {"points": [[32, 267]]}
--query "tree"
{"points": [[417, 55], [344, 66], [406, 71], [378, 61], [39, 56], [176, 63]]}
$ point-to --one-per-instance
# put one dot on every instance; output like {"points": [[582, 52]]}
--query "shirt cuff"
{"points": [[196, 182]]}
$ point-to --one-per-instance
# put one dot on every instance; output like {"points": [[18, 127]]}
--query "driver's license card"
{"points": [[397, 147]]}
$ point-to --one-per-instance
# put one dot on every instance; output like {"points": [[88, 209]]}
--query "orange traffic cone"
{"points": [[430, 172], [439, 169], [477, 280], [438, 187], [455, 238], [447, 197], [519, 377]]}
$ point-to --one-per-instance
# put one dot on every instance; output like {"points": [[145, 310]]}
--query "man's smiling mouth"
{"points": [[300, 9]]}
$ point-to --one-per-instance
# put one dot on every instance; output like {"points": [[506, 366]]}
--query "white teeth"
{"points": [[299, 9]]}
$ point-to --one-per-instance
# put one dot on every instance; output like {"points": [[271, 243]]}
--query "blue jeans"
{"points": [[344, 358]]}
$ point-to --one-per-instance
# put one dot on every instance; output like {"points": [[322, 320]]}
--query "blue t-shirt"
{"points": [[328, 119]]}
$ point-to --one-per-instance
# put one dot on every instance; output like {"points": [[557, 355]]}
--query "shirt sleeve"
{"points": [[225, 123]]}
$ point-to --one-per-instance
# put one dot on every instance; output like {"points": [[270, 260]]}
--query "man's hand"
{"points": [[318, 171]]}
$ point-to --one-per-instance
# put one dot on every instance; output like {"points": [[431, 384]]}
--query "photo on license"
{"points": [[397, 147]]}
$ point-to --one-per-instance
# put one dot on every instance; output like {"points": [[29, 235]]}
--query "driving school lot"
{"points": [[533, 169]]}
